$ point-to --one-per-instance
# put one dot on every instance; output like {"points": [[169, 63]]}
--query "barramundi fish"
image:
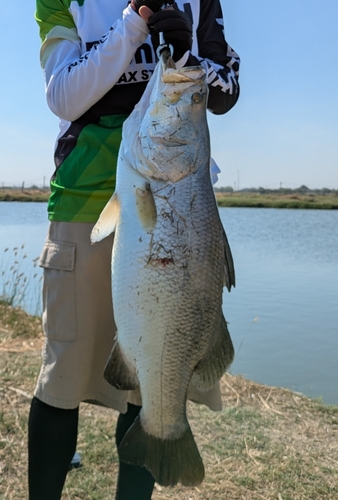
{"points": [[170, 261]]}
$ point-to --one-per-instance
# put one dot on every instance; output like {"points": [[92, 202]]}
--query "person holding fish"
{"points": [[98, 57]]}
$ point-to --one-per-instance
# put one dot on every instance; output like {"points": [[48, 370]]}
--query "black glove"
{"points": [[176, 28], [154, 5]]}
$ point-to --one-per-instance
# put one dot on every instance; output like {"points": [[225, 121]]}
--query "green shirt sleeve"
{"points": [[52, 13]]}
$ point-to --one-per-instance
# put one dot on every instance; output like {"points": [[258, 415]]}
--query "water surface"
{"points": [[283, 312]]}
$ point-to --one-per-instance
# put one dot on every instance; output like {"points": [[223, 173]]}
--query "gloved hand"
{"points": [[154, 5], [176, 28]]}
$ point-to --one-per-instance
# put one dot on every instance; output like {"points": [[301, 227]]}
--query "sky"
{"points": [[283, 132]]}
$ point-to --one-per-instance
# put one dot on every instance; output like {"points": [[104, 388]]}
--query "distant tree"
{"points": [[226, 189]]}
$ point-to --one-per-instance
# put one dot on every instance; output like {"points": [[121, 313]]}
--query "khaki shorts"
{"points": [[79, 325]]}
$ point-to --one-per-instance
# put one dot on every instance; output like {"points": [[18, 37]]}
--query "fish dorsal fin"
{"points": [[107, 220], [229, 270]]}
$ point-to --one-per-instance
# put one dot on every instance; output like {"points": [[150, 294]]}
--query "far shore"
{"points": [[278, 200], [249, 199], [35, 195]]}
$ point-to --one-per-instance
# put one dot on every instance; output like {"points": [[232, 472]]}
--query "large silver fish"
{"points": [[170, 261]]}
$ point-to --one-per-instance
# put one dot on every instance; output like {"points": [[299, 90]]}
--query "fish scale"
{"points": [[170, 261]]}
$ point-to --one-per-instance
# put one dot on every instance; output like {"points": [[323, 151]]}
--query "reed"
{"points": [[19, 278]]}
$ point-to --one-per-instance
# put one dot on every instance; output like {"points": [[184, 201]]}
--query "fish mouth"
{"points": [[177, 82], [189, 75]]}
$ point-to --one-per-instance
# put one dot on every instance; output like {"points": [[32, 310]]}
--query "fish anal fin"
{"points": [[170, 461], [118, 373], [216, 361], [107, 221], [146, 207]]}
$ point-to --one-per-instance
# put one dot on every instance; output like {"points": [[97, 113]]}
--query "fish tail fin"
{"points": [[170, 461]]}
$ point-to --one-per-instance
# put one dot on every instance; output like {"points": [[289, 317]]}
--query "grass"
{"points": [[267, 443]]}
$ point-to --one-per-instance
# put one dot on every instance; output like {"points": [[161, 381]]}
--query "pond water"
{"points": [[283, 313]]}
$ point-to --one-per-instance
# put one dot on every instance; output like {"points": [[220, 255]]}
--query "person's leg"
{"points": [[52, 435], [133, 482]]}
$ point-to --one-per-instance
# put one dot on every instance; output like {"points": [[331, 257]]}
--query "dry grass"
{"points": [[267, 443]]}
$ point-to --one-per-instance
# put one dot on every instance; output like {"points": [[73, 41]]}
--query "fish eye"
{"points": [[197, 97]]}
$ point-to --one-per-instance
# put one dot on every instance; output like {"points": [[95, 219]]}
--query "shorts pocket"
{"points": [[59, 292]]}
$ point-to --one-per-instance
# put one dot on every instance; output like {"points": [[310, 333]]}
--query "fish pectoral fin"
{"points": [[170, 461], [118, 372], [216, 361], [146, 207], [107, 220], [229, 269]]}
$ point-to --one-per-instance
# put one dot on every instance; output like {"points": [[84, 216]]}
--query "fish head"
{"points": [[174, 135]]}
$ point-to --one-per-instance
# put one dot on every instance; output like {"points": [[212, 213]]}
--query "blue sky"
{"points": [[283, 131]]}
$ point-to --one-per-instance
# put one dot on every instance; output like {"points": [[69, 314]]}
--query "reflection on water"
{"points": [[283, 313]]}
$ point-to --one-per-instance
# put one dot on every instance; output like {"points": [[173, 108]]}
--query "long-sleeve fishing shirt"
{"points": [[97, 58]]}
